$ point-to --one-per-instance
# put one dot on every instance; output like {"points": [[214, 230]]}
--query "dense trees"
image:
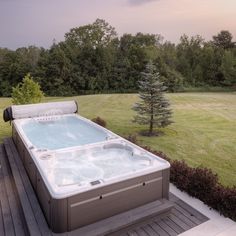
{"points": [[224, 40], [93, 59]]}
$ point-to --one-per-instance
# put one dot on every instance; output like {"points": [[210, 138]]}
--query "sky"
{"points": [[39, 22]]}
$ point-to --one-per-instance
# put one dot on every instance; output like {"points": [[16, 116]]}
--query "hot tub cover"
{"points": [[40, 109]]}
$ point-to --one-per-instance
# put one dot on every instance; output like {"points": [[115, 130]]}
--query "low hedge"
{"points": [[201, 183], [100, 121]]}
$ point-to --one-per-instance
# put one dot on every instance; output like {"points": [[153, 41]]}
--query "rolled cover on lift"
{"points": [[43, 109], [7, 114]]}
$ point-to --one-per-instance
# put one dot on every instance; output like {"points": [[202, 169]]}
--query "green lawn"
{"points": [[204, 132]]}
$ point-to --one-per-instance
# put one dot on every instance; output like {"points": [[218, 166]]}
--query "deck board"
{"points": [[191, 210], [166, 227], [141, 232], [180, 223], [6, 223], [132, 233], [5, 208], [32, 225], [173, 226], [12, 223], [13, 201], [39, 217], [181, 217], [189, 215], [149, 230], [159, 231], [1, 221]]}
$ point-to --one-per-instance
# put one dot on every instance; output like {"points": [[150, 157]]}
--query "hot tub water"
{"points": [[82, 167], [68, 130]]}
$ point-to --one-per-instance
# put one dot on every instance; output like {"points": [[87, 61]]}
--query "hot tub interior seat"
{"points": [[82, 167]]}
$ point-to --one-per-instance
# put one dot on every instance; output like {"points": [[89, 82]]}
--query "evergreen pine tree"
{"points": [[153, 109]]}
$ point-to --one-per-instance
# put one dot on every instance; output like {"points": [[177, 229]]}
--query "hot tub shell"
{"points": [[71, 212]]}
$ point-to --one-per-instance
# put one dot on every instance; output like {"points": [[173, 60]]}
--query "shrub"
{"points": [[223, 199], [27, 92], [132, 138], [98, 120], [160, 154], [179, 174], [202, 183]]}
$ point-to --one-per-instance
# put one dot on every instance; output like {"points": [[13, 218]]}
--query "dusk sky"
{"points": [[38, 22]]}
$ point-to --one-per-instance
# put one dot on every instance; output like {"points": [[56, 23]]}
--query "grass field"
{"points": [[204, 132]]}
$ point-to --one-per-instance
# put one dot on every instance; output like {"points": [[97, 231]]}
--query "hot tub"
{"points": [[83, 173]]}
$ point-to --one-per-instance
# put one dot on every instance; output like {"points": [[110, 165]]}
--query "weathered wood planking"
{"points": [[32, 226], [37, 212], [11, 215]]}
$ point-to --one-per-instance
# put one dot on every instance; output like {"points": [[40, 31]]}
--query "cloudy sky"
{"points": [[38, 22]]}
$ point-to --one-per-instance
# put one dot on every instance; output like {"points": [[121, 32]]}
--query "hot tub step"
{"points": [[126, 219]]}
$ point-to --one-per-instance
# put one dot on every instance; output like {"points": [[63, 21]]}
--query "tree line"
{"points": [[93, 59]]}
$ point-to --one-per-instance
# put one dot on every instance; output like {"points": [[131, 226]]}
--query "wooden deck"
{"points": [[20, 212]]}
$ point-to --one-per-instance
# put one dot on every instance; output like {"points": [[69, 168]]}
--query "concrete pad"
{"points": [[229, 232], [209, 228]]}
